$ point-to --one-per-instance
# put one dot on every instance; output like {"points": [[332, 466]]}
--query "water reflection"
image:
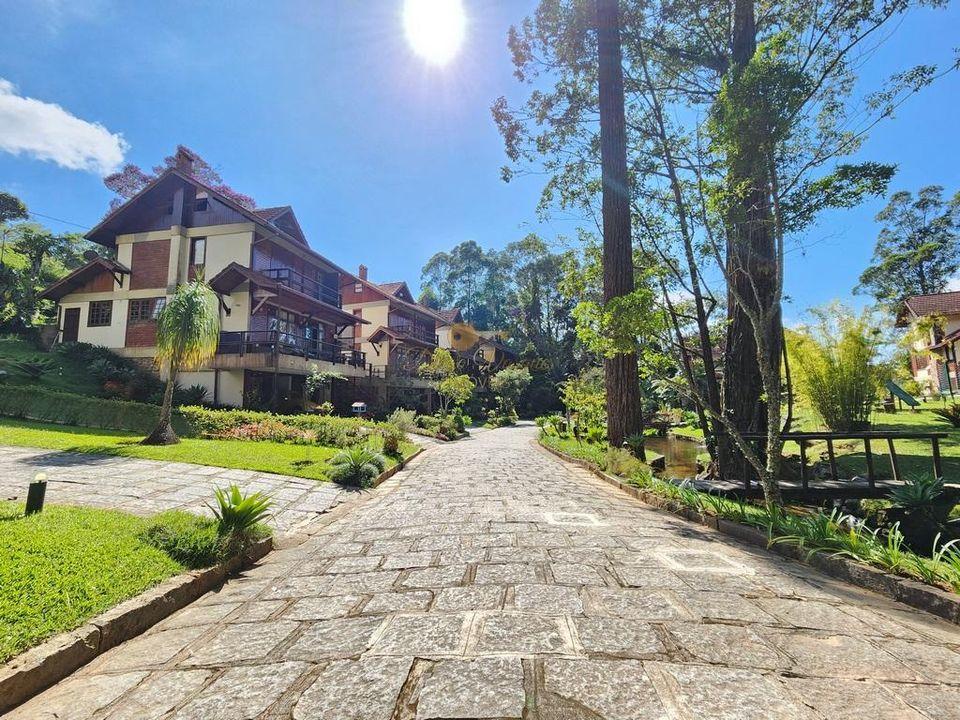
{"points": [[680, 455]]}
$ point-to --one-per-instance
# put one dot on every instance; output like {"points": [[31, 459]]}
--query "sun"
{"points": [[434, 28]]}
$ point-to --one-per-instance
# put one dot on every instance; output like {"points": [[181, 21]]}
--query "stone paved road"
{"points": [[149, 486], [489, 580]]}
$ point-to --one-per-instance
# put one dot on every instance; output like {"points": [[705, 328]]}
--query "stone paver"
{"points": [[145, 487], [490, 580]]}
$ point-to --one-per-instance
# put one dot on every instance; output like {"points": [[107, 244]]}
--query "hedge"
{"points": [[35, 403]]}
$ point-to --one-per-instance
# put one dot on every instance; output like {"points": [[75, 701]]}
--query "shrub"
{"points": [[192, 541], [836, 366], [508, 385], [34, 403], [392, 438], [238, 515], [635, 444], [596, 434], [268, 429], [950, 414], [459, 424], [403, 419], [357, 465], [324, 408], [917, 493], [327, 430], [193, 395], [620, 462]]}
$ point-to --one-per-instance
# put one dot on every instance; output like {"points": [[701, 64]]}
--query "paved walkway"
{"points": [[490, 580], [149, 486]]}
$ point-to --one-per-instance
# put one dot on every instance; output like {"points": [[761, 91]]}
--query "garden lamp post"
{"points": [[36, 493]]}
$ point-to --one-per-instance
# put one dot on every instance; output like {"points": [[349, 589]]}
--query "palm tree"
{"points": [[188, 330]]}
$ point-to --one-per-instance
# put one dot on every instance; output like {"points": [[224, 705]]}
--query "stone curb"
{"points": [[390, 472], [36, 669], [909, 592]]}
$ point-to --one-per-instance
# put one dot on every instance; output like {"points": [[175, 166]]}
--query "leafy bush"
{"points": [[238, 515], [585, 396], [403, 419], [192, 541], [392, 438], [635, 444], [270, 430], [36, 403], [620, 462], [127, 379], [596, 434], [508, 385], [324, 408], [836, 366], [193, 395], [34, 369], [327, 430], [950, 414], [917, 493], [357, 465]]}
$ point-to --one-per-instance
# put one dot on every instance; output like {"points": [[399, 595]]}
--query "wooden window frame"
{"points": [[99, 306]]}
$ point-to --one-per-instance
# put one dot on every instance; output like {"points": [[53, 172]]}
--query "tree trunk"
{"points": [[163, 434], [751, 270], [620, 371]]}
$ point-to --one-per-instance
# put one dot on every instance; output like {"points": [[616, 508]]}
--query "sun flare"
{"points": [[434, 28]]}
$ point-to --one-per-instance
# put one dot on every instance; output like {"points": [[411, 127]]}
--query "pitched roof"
{"points": [[947, 303], [103, 227], [67, 284], [414, 306], [391, 287], [449, 315]]}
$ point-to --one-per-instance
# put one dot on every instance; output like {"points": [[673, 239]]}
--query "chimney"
{"points": [[363, 272], [184, 160]]}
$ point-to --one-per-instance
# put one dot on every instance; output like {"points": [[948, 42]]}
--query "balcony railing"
{"points": [[417, 333], [301, 283], [274, 341]]}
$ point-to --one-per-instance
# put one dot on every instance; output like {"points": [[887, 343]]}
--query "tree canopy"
{"points": [[918, 249]]}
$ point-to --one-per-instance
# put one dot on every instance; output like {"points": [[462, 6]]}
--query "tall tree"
{"points": [[918, 249], [11, 208], [188, 330], [620, 370]]}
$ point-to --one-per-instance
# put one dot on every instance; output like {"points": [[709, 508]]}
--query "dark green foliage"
{"points": [[193, 395], [917, 493], [33, 369], [35, 403], [950, 414], [392, 439], [193, 541], [357, 465], [328, 429], [238, 515]]}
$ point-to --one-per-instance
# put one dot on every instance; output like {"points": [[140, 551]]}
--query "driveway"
{"points": [[491, 580], [149, 486]]}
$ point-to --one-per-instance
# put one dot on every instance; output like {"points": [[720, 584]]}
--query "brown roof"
{"points": [[947, 303], [67, 284], [391, 287], [272, 213], [449, 315]]}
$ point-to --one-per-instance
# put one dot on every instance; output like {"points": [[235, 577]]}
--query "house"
{"points": [[394, 333], [280, 306], [479, 347], [936, 322]]}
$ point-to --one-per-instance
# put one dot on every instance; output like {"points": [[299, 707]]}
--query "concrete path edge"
{"points": [[909, 592], [36, 669]]}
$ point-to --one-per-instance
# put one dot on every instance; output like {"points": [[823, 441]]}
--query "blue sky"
{"points": [[386, 159]]}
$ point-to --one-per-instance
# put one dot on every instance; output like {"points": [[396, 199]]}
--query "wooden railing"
{"points": [[273, 341], [301, 283], [868, 438]]}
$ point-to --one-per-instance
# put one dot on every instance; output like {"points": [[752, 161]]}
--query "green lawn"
{"points": [[65, 374], [65, 565], [913, 456], [307, 461]]}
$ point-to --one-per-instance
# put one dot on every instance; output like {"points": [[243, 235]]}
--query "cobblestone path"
{"points": [[490, 580], [150, 486]]}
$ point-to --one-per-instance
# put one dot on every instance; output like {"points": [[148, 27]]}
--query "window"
{"points": [[201, 205], [358, 288], [100, 313], [146, 309], [198, 251]]}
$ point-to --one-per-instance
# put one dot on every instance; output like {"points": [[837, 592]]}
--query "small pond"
{"points": [[680, 455]]}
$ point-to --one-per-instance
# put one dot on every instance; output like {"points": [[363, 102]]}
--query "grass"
{"points": [[914, 457], [66, 375], [65, 565], [595, 453], [306, 461]]}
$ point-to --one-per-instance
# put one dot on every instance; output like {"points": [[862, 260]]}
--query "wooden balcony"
{"points": [[266, 349], [294, 280]]}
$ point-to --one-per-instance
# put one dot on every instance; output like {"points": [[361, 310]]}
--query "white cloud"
{"points": [[953, 285], [48, 132]]}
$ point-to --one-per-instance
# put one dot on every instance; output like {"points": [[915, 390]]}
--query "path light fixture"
{"points": [[36, 493]]}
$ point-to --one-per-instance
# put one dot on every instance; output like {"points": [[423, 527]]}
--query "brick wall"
{"points": [[142, 333], [149, 264]]}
